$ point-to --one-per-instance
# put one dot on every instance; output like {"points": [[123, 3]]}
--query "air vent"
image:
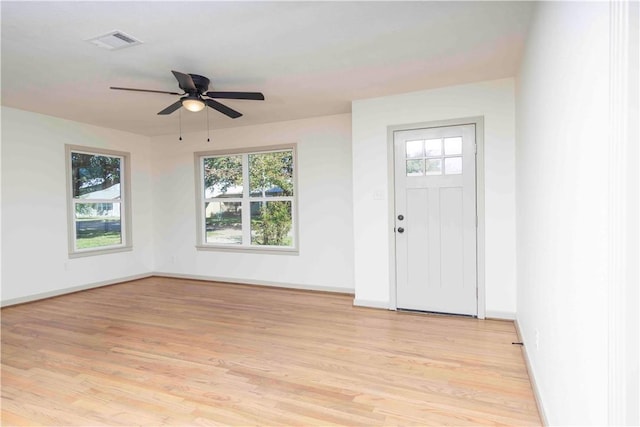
{"points": [[115, 40]]}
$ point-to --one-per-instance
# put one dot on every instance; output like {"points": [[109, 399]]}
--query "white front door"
{"points": [[435, 219]]}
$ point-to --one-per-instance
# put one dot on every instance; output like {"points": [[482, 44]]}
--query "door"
{"points": [[435, 223]]}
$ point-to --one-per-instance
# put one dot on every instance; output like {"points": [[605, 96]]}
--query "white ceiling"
{"points": [[308, 58]]}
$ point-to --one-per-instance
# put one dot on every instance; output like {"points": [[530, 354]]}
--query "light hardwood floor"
{"points": [[162, 351]]}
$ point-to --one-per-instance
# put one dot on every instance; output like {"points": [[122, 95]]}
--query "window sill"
{"points": [[250, 250], [100, 252]]}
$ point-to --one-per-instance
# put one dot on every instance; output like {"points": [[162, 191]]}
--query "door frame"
{"points": [[478, 121]]}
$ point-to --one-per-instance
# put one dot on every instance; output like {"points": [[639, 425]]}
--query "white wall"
{"points": [[35, 258], [562, 201], [494, 100], [325, 259]]}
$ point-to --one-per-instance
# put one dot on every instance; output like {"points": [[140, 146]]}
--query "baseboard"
{"points": [[532, 378], [285, 285], [500, 315], [371, 304], [58, 292]]}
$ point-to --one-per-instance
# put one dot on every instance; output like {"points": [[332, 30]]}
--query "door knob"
{"points": [[400, 230]]}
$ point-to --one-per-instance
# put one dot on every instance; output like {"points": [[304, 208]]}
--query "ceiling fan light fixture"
{"points": [[193, 104], [194, 87]]}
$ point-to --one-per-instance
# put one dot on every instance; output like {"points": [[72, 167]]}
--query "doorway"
{"points": [[435, 219]]}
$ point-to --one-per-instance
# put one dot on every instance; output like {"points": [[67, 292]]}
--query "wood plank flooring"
{"points": [[162, 351]]}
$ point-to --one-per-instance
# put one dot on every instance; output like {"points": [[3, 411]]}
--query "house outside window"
{"points": [[247, 199], [98, 201]]}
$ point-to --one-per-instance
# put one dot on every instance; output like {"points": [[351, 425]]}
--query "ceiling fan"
{"points": [[195, 95]]}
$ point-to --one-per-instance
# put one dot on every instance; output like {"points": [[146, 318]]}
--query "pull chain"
{"points": [[180, 121], [208, 140]]}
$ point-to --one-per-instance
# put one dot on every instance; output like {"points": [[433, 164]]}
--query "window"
{"points": [[246, 200], [98, 201], [427, 157]]}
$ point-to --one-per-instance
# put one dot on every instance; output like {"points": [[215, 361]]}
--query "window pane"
{"points": [[453, 165], [95, 177], [97, 225], [271, 223], [223, 222], [453, 146], [433, 147], [415, 167], [434, 167], [415, 149], [222, 176], [271, 174]]}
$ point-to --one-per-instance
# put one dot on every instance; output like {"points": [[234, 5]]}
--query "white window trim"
{"points": [[125, 201], [246, 213]]}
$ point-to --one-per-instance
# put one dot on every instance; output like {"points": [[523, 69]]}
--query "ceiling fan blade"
{"points": [[256, 96], [185, 81], [145, 90], [171, 108], [223, 108]]}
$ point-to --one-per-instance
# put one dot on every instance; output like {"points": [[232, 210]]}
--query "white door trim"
{"points": [[623, 201], [480, 231]]}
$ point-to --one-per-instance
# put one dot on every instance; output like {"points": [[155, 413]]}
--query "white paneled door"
{"points": [[435, 223]]}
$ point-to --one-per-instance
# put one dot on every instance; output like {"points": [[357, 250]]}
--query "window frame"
{"points": [[245, 200], [125, 202]]}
